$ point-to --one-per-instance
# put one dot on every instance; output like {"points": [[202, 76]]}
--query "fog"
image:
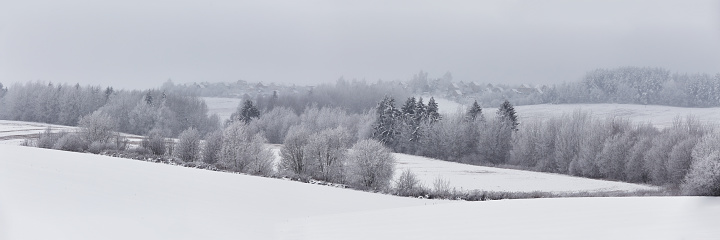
{"points": [[140, 44]]}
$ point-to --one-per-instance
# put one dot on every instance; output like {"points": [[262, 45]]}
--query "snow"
{"points": [[567, 218], [223, 107], [14, 132], [659, 116], [48, 194], [470, 177]]}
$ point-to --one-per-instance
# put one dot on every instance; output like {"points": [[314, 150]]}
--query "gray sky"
{"points": [[142, 43]]}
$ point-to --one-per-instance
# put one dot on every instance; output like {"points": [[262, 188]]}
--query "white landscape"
{"points": [[84, 196], [419, 120]]}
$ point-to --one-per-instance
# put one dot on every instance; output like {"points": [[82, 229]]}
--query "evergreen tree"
{"points": [[386, 124], [474, 111], [408, 110], [506, 112], [420, 111], [432, 111], [246, 113]]}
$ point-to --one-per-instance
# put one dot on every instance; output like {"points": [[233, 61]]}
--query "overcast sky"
{"points": [[142, 43]]}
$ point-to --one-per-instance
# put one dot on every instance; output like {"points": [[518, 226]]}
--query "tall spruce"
{"points": [[386, 123], [432, 111], [474, 111], [506, 112], [246, 113]]}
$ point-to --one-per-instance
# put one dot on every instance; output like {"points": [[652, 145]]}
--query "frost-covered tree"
{"points": [[703, 178], [293, 156], [474, 111], [324, 154], [433, 114], [187, 147], [507, 114], [246, 112], [246, 153], [212, 147], [97, 127], [155, 142], [387, 123], [370, 165]]}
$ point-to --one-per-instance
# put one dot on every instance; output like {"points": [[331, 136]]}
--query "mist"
{"points": [[141, 44]]}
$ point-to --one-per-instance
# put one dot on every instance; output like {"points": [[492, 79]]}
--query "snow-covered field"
{"points": [[565, 218], [48, 194], [223, 107], [15, 132], [659, 116], [470, 177], [460, 176]]}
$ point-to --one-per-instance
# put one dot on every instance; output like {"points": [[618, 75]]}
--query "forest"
{"points": [[344, 133]]}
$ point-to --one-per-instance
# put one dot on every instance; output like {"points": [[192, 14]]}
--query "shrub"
{"points": [[97, 127], [213, 145], [442, 189], [408, 185], [188, 146], [155, 142], [71, 142], [47, 139], [371, 166]]}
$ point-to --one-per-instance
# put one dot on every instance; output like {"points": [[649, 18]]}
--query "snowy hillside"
{"points": [[14, 132], [470, 177], [659, 116], [48, 194], [223, 107], [564, 218]]}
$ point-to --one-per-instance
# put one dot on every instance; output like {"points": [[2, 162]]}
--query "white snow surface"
{"points": [[471, 177], [565, 218], [659, 116], [223, 107], [48, 194], [14, 132]]}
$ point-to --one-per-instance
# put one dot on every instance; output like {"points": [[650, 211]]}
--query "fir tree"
{"points": [[432, 111], [386, 127], [506, 112], [420, 111], [474, 111], [246, 113]]}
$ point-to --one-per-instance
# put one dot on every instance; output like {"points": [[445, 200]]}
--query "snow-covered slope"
{"points": [[469, 177], [566, 218], [48, 194], [14, 132], [659, 116], [223, 107]]}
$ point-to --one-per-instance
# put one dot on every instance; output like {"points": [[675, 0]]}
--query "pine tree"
{"points": [[474, 111], [506, 112], [408, 110], [386, 124], [432, 111], [247, 112], [420, 111]]}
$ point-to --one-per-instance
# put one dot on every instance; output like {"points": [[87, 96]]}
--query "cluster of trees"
{"points": [[135, 112], [321, 144], [639, 86], [608, 149]]}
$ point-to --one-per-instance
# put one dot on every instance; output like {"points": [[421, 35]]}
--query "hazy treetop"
{"points": [[142, 43]]}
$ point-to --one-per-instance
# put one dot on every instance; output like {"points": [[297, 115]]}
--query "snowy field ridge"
{"points": [[50, 194]]}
